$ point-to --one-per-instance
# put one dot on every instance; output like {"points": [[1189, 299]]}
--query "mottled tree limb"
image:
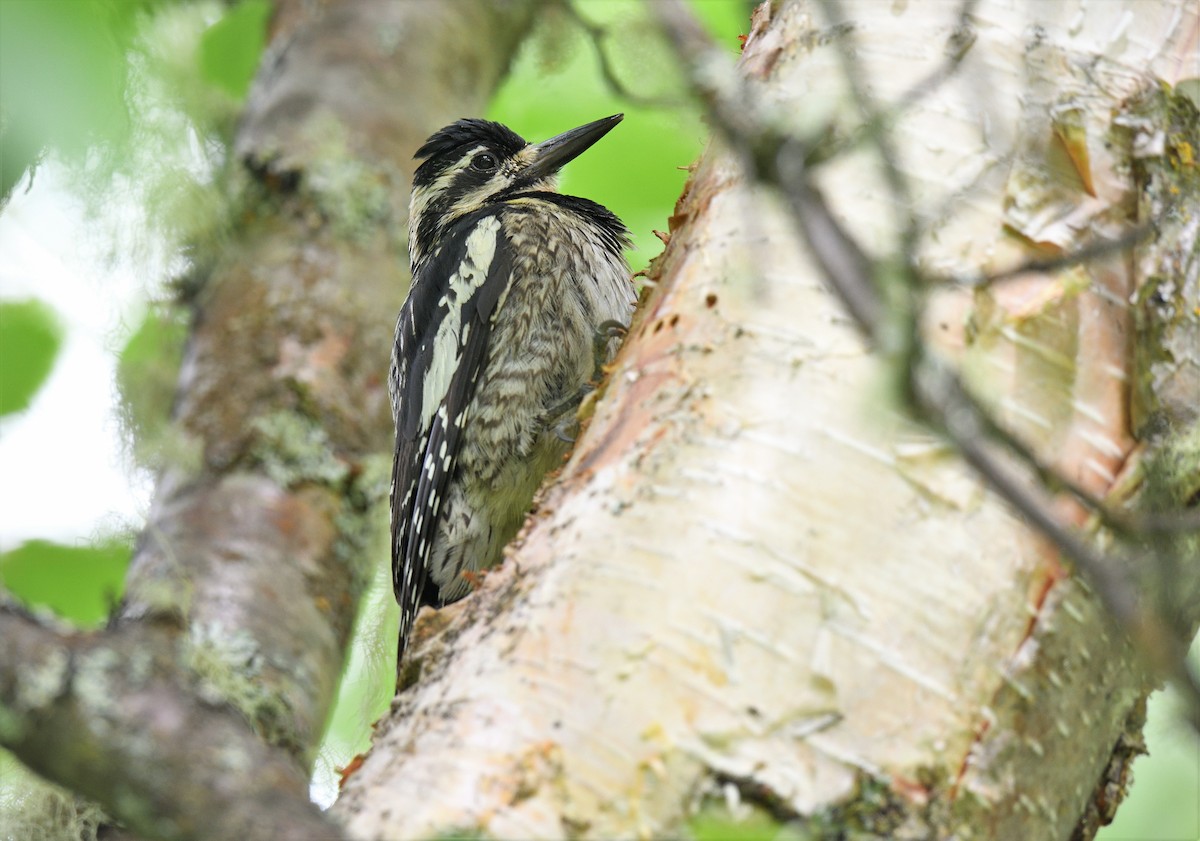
{"points": [[109, 716]]}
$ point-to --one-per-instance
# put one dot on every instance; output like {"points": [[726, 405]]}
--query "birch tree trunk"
{"points": [[755, 580]]}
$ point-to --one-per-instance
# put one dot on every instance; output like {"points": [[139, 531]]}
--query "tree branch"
{"points": [[108, 716]]}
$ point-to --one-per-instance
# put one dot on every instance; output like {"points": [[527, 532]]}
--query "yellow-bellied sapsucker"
{"points": [[511, 283]]}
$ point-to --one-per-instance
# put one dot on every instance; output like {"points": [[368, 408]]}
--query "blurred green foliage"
{"points": [[30, 338], [147, 378], [231, 47], [63, 77], [79, 583], [717, 826], [152, 353]]}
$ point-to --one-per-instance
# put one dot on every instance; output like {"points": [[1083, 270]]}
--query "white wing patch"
{"points": [[452, 333]]}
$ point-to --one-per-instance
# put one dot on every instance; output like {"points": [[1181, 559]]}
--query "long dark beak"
{"points": [[551, 155]]}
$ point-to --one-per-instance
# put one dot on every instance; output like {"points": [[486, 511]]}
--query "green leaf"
{"points": [[79, 583], [160, 334], [148, 369], [63, 75], [708, 827], [30, 338], [231, 48]]}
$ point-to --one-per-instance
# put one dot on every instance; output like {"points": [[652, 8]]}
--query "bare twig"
{"points": [[879, 120], [957, 47], [1049, 265], [897, 182], [597, 35]]}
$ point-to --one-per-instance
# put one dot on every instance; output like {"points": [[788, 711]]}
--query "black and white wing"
{"points": [[441, 345]]}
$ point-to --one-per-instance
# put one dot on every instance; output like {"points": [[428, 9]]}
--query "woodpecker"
{"points": [[495, 345]]}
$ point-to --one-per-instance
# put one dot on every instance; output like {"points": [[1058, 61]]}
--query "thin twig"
{"points": [[597, 35], [875, 119], [1049, 265], [826, 146], [957, 47]]}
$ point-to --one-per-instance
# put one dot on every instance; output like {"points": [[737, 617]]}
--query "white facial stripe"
{"points": [[421, 195], [470, 201]]}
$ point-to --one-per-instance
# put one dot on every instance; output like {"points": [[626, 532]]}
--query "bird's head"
{"points": [[472, 163]]}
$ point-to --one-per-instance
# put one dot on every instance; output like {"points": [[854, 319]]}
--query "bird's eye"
{"points": [[483, 162]]}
